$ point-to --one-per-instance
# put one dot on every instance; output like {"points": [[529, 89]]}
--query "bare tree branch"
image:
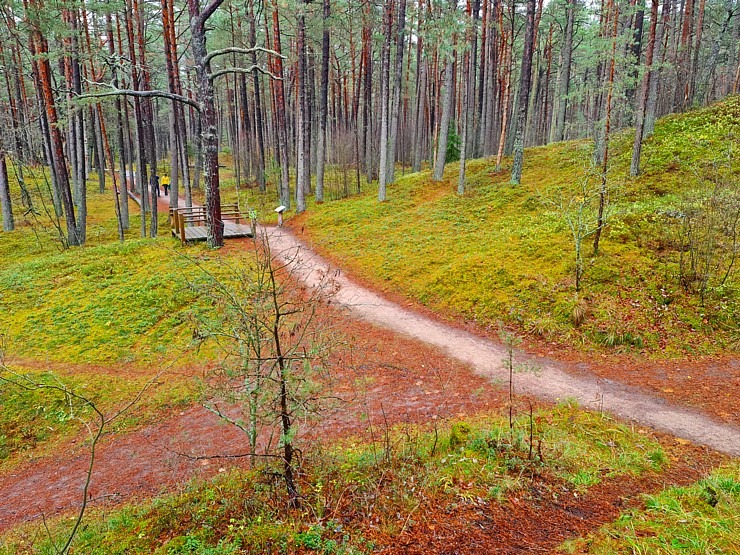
{"points": [[143, 94], [237, 50], [208, 11], [246, 70]]}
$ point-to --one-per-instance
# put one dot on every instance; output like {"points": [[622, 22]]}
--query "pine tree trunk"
{"points": [[444, 120], [697, 47], [79, 131], [644, 92], [302, 177], [282, 126], [6, 204], [557, 131], [467, 84], [258, 123], [209, 140], [634, 51], [40, 49], [323, 104], [367, 107], [607, 130], [396, 98], [420, 107], [170, 55], [523, 102], [384, 100], [661, 41]]}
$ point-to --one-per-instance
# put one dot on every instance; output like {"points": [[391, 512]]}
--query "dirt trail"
{"points": [[376, 386], [551, 382]]}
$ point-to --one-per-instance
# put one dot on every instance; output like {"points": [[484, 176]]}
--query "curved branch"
{"points": [[143, 94], [237, 50], [247, 70], [208, 11]]}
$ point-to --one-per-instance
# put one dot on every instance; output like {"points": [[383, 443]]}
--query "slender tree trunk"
{"points": [[557, 131], [420, 96], [644, 92], [214, 224], [302, 177], [635, 48], [367, 107], [697, 47], [683, 61], [77, 115], [523, 102], [396, 99], [661, 41], [147, 123], [384, 101], [323, 104], [5, 202], [603, 191], [282, 127], [56, 194], [508, 66], [40, 50], [444, 120], [258, 123], [142, 180], [170, 56], [467, 84]]}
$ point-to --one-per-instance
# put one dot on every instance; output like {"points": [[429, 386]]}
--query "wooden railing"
{"points": [[180, 218]]}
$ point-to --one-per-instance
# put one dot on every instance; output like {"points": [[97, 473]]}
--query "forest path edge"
{"points": [[549, 382]]}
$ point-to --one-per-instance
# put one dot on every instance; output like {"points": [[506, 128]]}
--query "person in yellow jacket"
{"points": [[166, 184]]}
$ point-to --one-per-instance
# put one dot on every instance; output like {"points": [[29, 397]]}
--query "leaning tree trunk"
{"points": [[40, 49]]}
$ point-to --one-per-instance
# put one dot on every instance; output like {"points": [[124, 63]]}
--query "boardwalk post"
{"points": [[280, 209], [181, 225]]}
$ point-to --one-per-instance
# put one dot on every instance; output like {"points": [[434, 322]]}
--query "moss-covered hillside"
{"points": [[506, 253]]}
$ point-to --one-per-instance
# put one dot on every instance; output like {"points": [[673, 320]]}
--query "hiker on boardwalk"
{"points": [[166, 184], [154, 183]]}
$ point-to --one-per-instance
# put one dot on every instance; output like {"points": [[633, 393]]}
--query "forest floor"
{"points": [[614, 388], [404, 381], [402, 366]]}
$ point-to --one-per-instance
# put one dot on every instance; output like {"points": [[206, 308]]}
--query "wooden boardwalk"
{"points": [[198, 232]]}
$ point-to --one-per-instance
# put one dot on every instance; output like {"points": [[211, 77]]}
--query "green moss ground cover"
{"points": [[101, 319], [35, 419], [351, 488], [107, 302], [501, 254], [703, 518]]}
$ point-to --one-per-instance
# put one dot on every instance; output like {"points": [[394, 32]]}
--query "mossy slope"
{"points": [[501, 253]]}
